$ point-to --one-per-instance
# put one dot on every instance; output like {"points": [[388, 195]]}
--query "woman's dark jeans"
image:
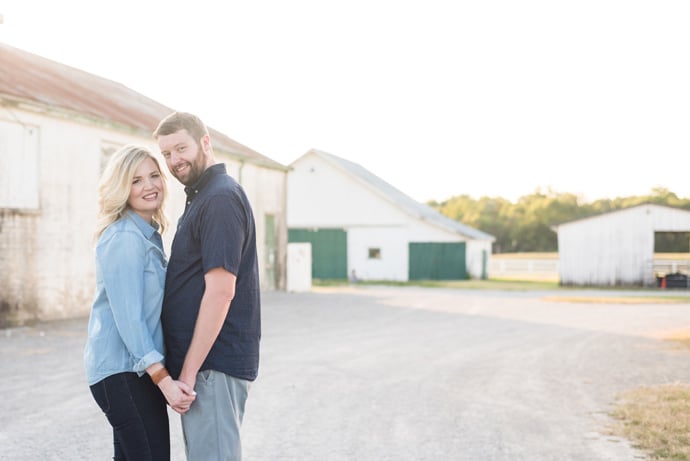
{"points": [[136, 409]]}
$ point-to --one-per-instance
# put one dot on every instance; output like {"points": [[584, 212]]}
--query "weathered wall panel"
{"points": [[615, 249], [46, 255]]}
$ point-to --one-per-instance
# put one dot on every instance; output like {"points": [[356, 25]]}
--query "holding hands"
{"points": [[178, 394]]}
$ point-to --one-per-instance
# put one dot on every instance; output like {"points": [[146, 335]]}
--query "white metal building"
{"points": [[358, 223], [617, 248], [58, 125]]}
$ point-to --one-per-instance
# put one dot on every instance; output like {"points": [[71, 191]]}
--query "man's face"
{"points": [[184, 156]]}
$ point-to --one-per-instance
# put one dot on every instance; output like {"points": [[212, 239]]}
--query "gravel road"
{"points": [[380, 373]]}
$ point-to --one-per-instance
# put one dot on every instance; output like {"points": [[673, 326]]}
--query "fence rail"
{"points": [[548, 268]]}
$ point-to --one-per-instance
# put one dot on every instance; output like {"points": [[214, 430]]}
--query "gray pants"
{"points": [[211, 427]]}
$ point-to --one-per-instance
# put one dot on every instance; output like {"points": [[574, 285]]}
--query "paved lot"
{"points": [[375, 373]]}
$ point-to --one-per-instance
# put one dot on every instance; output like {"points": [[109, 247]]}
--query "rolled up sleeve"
{"points": [[123, 261]]}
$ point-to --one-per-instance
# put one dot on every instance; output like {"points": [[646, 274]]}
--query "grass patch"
{"points": [[657, 420], [493, 284], [527, 255], [680, 336], [620, 299], [516, 285]]}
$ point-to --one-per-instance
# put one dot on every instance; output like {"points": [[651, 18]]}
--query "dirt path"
{"points": [[386, 374]]}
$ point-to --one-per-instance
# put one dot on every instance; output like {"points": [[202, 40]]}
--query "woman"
{"points": [[123, 356]]}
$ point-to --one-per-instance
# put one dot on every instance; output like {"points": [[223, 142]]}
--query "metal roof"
{"points": [[400, 199], [28, 78], [631, 209]]}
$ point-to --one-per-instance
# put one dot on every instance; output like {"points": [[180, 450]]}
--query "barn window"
{"points": [[374, 253], [107, 151], [19, 184]]}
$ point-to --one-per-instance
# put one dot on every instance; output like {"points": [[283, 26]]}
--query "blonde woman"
{"points": [[124, 352]]}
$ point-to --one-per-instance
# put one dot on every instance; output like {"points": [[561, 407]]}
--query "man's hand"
{"points": [[178, 394]]}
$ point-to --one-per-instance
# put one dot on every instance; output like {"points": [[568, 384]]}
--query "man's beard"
{"points": [[196, 169]]}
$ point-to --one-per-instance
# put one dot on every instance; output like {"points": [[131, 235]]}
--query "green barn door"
{"points": [[437, 261], [328, 251]]}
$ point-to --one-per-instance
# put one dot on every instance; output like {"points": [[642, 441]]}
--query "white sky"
{"points": [[439, 98]]}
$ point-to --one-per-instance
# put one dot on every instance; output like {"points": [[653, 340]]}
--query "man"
{"points": [[211, 309]]}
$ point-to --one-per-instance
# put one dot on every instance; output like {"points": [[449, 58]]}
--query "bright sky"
{"points": [[439, 98]]}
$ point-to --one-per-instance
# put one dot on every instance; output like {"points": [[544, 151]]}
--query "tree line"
{"points": [[525, 226]]}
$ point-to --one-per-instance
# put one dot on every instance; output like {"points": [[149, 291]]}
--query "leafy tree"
{"points": [[527, 225]]}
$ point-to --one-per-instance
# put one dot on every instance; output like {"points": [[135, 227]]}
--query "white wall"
{"points": [[476, 251], [616, 248], [46, 254], [392, 241], [265, 189], [322, 196]]}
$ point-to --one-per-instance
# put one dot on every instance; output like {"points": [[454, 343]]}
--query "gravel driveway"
{"points": [[379, 373]]}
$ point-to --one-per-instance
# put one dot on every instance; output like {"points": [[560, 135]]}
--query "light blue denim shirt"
{"points": [[124, 332]]}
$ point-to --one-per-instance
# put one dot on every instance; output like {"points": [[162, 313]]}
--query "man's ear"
{"points": [[206, 143]]}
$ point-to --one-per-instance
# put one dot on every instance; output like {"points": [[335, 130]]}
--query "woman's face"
{"points": [[146, 194]]}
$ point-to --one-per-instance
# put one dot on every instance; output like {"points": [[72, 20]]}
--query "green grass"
{"points": [[493, 284]]}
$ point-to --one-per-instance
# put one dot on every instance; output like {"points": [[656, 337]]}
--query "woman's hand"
{"points": [[178, 394]]}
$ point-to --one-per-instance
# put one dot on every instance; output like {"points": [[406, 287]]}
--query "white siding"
{"points": [[46, 254], [266, 191], [616, 248], [391, 241], [322, 196], [19, 175], [478, 258]]}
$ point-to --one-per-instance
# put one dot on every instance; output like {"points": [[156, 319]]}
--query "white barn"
{"points": [[58, 125], [617, 248], [358, 223]]}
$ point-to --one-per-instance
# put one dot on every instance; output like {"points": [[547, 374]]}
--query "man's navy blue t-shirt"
{"points": [[216, 230]]}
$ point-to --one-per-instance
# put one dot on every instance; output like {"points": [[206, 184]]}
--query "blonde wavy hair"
{"points": [[115, 186]]}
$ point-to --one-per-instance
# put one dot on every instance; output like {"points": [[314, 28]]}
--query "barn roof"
{"points": [[28, 78], [400, 199], [632, 209]]}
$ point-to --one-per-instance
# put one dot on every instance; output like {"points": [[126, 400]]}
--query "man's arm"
{"points": [[215, 303]]}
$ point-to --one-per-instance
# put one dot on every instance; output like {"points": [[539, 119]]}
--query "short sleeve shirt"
{"points": [[217, 229]]}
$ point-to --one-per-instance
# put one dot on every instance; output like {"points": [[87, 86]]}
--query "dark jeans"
{"points": [[136, 409]]}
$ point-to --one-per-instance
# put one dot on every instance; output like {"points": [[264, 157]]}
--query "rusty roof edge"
{"points": [[223, 143], [31, 105]]}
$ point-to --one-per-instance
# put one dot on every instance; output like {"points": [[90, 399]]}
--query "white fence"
{"points": [[523, 268], [662, 267], [547, 268]]}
